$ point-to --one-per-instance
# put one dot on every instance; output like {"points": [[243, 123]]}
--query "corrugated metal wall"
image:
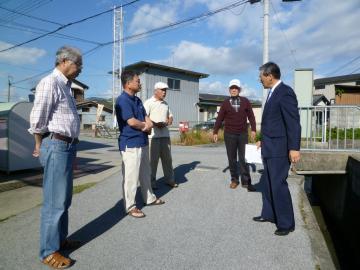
{"points": [[182, 103]]}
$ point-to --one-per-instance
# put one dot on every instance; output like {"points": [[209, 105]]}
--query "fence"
{"points": [[335, 128]]}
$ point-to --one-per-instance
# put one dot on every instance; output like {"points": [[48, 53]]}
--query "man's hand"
{"points": [[215, 137], [258, 144], [36, 152], [38, 141], [169, 121], [147, 127], [294, 156], [253, 136]]}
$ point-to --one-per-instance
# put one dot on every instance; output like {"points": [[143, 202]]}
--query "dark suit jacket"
{"points": [[280, 125]]}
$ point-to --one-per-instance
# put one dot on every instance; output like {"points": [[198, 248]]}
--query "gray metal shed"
{"points": [[16, 143]]}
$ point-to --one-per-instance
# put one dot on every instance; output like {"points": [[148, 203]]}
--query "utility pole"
{"points": [[266, 38], [265, 46]]}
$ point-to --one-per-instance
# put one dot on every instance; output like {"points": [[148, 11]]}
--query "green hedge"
{"points": [[341, 132]]}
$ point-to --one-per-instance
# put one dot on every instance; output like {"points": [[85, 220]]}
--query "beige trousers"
{"points": [[135, 169], [161, 148]]}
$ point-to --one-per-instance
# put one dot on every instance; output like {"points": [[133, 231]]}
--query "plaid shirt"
{"points": [[54, 107]]}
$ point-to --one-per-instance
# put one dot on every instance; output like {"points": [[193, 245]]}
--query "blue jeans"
{"points": [[57, 158]]}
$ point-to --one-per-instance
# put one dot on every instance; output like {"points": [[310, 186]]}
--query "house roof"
{"points": [[211, 99], [93, 103], [144, 64], [318, 98], [75, 84], [338, 79]]}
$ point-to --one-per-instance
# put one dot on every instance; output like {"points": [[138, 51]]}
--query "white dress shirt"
{"points": [[272, 89], [54, 107]]}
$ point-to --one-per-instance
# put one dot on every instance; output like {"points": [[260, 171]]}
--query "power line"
{"points": [[26, 6], [343, 66], [64, 26], [29, 16], [285, 37], [152, 31], [31, 29], [355, 70], [47, 71], [171, 25]]}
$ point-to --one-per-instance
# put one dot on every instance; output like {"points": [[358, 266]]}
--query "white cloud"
{"points": [[152, 16], [215, 61], [20, 55]]}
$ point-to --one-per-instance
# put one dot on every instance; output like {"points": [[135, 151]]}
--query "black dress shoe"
{"points": [[251, 188], [282, 232], [261, 219]]}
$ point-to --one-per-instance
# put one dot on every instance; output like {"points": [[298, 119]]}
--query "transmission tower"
{"points": [[117, 55]]}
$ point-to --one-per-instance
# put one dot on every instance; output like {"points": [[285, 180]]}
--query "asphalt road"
{"points": [[202, 225]]}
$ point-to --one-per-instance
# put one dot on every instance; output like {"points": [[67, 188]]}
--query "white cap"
{"points": [[160, 85], [235, 82]]}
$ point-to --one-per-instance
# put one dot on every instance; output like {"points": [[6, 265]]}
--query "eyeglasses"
{"points": [[78, 64]]}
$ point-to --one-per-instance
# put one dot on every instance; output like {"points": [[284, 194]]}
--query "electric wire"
{"points": [[64, 26]]}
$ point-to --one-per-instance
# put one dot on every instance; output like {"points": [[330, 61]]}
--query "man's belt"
{"points": [[61, 137]]}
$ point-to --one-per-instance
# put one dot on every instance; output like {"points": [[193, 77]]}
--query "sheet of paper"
{"points": [[252, 154]]}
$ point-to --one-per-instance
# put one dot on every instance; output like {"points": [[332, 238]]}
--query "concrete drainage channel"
{"points": [[332, 183]]}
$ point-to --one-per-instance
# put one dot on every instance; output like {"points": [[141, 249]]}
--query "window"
{"points": [[85, 109], [174, 84], [320, 86]]}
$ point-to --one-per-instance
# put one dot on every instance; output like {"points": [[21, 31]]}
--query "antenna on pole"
{"points": [[117, 56]]}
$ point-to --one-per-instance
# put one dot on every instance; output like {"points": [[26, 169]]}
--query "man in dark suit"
{"points": [[280, 146]]}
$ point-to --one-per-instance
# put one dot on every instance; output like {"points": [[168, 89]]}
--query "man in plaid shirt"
{"points": [[55, 124]]}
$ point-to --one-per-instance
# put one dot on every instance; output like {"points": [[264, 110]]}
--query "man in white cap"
{"points": [[235, 111], [159, 113]]}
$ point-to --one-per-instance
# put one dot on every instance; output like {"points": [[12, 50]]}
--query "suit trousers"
{"points": [[277, 204], [135, 169], [235, 146], [161, 148]]}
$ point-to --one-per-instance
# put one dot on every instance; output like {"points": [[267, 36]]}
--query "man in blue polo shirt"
{"points": [[134, 127]]}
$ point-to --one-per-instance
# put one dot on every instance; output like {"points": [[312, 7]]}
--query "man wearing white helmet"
{"points": [[235, 111], [159, 113]]}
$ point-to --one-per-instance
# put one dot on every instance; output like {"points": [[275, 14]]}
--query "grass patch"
{"points": [[198, 137], [82, 187]]}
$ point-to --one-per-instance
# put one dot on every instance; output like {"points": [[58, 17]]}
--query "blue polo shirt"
{"points": [[127, 107]]}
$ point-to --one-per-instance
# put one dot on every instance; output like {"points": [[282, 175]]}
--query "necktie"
{"points": [[269, 95]]}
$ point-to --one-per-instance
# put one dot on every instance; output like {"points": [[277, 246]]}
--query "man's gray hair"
{"points": [[270, 68], [67, 53]]}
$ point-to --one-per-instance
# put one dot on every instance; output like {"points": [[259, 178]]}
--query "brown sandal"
{"points": [[70, 244], [157, 202], [57, 261], [136, 213]]}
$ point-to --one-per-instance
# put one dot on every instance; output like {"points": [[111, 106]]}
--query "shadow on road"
{"points": [[99, 225], [86, 145], [114, 215]]}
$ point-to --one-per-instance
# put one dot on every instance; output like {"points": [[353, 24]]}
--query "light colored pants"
{"points": [[161, 148], [135, 168]]}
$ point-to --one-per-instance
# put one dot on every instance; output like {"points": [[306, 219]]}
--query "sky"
{"points": [[320, 34]]}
